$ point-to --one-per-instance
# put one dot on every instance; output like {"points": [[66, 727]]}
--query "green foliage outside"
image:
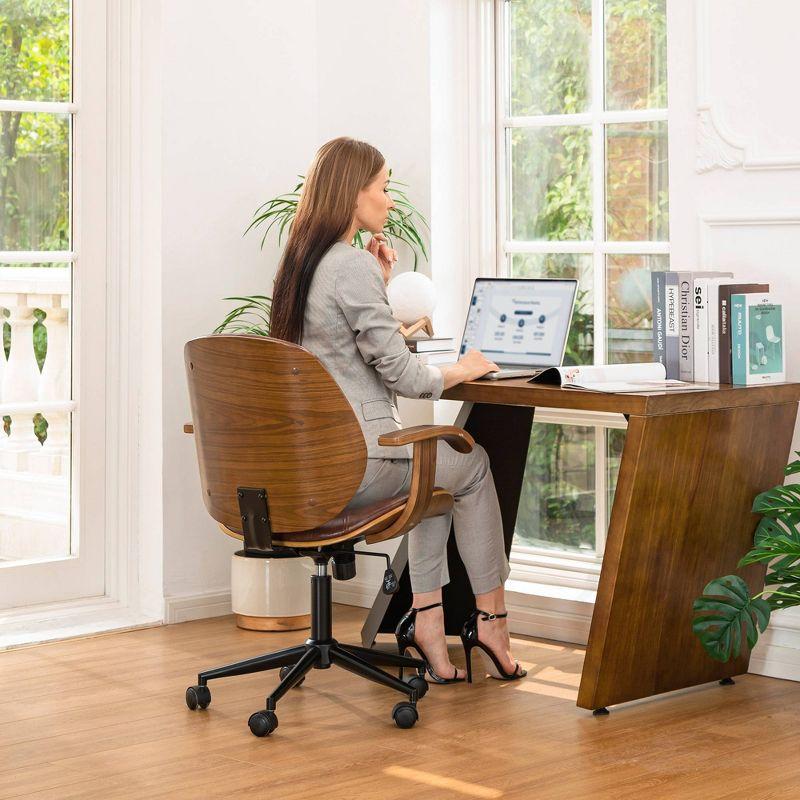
{"points": [[727, 615], [34, 147]]}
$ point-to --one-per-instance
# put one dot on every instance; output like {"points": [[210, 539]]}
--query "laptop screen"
{"points": [[520, 321]]}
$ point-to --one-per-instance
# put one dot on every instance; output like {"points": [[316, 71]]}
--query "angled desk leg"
{"points": [[681, 517], [504, 432]]}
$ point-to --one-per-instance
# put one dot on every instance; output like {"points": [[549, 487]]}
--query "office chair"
{"points": [[281, 455]]}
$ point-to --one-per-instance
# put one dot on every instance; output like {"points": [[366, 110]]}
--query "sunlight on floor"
{"points": [[528, 644], [555, 675], [442, 782], [535, 687]]}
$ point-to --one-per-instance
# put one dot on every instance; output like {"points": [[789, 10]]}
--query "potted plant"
{"points": [[253, 315], [726, 613]]}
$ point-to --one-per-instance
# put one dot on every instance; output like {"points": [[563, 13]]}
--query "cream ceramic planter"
{"points": [[271, 594]]}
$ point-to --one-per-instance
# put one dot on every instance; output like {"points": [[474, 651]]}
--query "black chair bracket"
{"points": [[254, 511]]}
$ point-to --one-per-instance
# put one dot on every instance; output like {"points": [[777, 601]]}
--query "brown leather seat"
{"points": [[366, 521]]}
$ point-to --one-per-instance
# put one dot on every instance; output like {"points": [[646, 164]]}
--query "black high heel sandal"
{"points": [[405, 640], [469, 638]]}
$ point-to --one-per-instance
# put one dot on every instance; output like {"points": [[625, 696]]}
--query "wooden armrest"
{"points": [[423, 470], [457, 438]]}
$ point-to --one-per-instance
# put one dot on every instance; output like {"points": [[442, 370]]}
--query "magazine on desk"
{"points": [[648, 377]]}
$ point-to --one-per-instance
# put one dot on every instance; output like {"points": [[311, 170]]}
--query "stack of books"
{"points": [[434, 350], [710, 328]]}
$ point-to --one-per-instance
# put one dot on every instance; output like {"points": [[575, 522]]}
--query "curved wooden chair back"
{"points": [[268, 415]]}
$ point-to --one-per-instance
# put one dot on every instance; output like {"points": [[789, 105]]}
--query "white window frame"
{"points": [[116, 259], [80, 574], [537, 565]]}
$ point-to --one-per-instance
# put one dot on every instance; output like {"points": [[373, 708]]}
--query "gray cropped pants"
{"points": [[475, 516]]}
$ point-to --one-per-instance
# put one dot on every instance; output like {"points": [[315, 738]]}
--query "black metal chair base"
{"points": [[320, 651]]}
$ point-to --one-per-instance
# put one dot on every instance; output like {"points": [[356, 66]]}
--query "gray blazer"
{"points": [[349, 326]]}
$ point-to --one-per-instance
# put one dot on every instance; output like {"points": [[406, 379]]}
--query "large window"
{"points": [[582, 192]]}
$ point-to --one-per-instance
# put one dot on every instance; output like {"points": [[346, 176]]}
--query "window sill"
{"points": [[72, 619]]}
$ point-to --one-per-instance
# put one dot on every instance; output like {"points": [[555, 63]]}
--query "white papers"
{"points": [[647, 377]]}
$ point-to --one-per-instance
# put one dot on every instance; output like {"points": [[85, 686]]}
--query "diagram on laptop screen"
{"points": [[519, 322]]}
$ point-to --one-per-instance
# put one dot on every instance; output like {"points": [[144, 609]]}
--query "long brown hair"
{"points": [[341, 168]]}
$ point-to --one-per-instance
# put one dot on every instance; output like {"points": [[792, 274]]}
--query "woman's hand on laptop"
{"points": [[471, 366]]}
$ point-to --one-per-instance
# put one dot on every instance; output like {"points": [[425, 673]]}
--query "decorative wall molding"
{"points": [[718, 145], [713, 150], [708, 223]]}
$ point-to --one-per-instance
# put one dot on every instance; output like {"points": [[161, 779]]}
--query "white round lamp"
{"points": [[412, 297]]}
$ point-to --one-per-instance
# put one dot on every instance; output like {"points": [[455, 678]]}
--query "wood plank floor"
{"points": [[104, 718]]}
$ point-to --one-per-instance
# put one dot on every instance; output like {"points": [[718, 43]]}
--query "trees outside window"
{"points": [[35, 286], [582, 193]]}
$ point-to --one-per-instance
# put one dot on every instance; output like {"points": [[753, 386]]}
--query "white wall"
{"points": [[734, 137], [239, 119], [249, 94]]}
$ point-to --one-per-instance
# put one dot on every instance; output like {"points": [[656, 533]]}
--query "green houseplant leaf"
{"points": [[778, 501], [403, 222], [253, 316], [794, 467], [726, 609], [725, 612]]}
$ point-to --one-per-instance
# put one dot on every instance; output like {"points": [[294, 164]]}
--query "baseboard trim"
{"points": [[777, 655], [354, 593], [528, 614], [189, 607]]}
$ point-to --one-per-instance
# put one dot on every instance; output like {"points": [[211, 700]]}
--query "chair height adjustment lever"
{"points": [[390, 583]]}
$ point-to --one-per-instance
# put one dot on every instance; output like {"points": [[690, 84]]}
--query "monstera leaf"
{"points": [[794, 467], [775, 539], [778, 501], [726, 612]]}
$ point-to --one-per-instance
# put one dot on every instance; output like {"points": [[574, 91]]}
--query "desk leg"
{"points": [[681, 516], [504, 432]]}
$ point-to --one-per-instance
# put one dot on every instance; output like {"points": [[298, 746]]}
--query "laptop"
{"points": [[519, 323]]}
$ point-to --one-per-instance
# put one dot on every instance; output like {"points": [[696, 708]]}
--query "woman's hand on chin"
{"points": [[385, 255]]}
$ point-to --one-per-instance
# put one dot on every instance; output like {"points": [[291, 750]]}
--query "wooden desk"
{"points": [[691, 466]]}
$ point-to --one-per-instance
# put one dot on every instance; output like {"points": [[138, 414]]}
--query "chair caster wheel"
{"points": [[420, 684], [727, 682], [404, 715], [262, 723], [285, 671], [601, 712], [198, 697]]}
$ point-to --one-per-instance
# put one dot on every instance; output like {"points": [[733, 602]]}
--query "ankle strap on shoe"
{"points": [[425, 608], [487, 616]]}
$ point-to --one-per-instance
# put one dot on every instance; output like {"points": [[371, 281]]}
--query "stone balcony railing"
{"points": [[36, 405]]}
